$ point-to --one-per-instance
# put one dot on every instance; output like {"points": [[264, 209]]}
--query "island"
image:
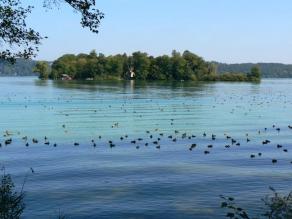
{"points": [[139, 66]]}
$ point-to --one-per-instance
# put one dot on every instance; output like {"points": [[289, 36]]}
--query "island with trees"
{"points": [[139, 66]]}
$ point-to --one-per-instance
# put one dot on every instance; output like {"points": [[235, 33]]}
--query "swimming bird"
{"points": [[213, 137], [8, 141]]}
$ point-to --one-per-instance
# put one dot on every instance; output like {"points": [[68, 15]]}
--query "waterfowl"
{"points": [[8, 141], [206, 152], [192, 146], [252, 156], [213, 137], [76, 144], [274, 161], [266, 142]]}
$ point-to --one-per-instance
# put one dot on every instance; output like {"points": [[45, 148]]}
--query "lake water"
{"points": [[137, 181]]}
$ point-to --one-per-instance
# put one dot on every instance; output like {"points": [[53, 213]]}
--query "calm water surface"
{"points": [[127, 181]]}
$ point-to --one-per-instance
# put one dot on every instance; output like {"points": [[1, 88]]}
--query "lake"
{"points": [[123, 148]]}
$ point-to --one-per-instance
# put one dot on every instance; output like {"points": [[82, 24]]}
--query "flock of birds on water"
{"points": [[156, 138]]}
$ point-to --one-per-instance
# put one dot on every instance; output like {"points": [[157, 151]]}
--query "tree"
{"points": [[276, 206], [11, 202], [255, 73], [42, 68], [20, 41], [141, 64]]}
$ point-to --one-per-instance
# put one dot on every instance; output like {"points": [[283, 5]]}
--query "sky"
{"points": [[230, 31]]}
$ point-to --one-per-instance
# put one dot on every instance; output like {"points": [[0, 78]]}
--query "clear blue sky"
{"points": [[231, 31]]}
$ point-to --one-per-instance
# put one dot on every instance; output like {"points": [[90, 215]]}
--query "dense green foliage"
{"points": [[186, 66], [43, 69], [269, 70]]}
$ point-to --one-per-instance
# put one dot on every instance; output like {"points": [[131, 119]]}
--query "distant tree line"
{"points": [[140, 66], [21, 67], [269, 70]]}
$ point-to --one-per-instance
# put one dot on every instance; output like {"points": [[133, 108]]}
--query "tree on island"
{"points": [[255, 72], [42, 68], [20, 41]]}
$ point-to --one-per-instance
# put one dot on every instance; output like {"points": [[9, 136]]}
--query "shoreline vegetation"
{"points": [[139, 66]]}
